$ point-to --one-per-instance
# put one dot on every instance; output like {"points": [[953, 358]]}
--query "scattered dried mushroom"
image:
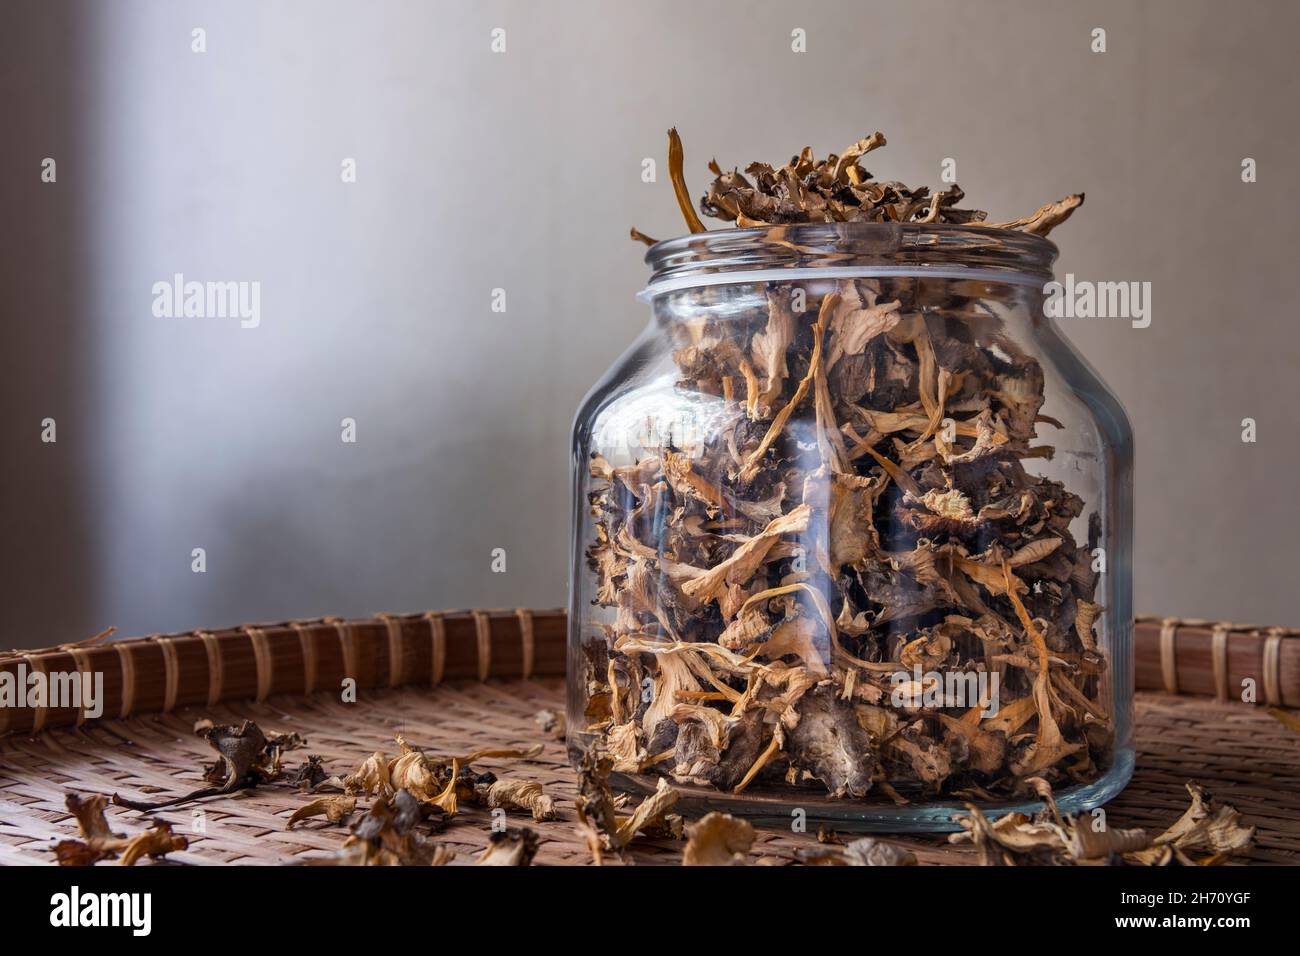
{"points": [[445, 781], [866, 851], [551, 724], [311, 775], [393, 832], [509, 848], [334, 809], [717, 839], [416, 788], [771, 604], [101, 843], [1207, 833], [415, 795], [248, 757], [600, 820], [386, 836]]}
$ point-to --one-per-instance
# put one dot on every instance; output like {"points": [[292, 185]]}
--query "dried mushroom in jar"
{"points": [[792, 599]]}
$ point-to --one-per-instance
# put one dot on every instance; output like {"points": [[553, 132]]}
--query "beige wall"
{"points": [[522, 171]]}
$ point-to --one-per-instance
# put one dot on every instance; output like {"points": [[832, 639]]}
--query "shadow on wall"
{"points": [[47, 481]]}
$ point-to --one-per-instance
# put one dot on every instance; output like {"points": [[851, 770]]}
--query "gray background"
{"points": [[522, 171]]}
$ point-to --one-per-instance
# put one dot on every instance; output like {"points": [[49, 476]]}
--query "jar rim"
{"points": [[791, 251]]}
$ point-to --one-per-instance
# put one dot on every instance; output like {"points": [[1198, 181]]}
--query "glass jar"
{"points": [[852, 534]]}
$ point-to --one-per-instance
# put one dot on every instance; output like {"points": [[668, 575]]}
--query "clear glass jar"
{"points": [[835, 509]]}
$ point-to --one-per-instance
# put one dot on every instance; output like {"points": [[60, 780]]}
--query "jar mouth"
{"points": [[828, 250]]}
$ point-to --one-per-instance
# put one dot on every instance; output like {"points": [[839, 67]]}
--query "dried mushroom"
{"points": [[1208, 833], [600, 820], [311, 774], [860, 510], [521, 795], [334, 809], [371, 777], [386, 836], [248, 758], [551, 723], [837, 189], [443, 782], [509, 848], [866, 851], [101, 843], [718, 839]]}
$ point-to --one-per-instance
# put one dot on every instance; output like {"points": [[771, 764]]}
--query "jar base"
{"points": [[848, 816]]}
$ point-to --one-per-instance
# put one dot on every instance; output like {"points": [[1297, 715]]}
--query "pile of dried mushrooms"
{"points": [[867, 508]]}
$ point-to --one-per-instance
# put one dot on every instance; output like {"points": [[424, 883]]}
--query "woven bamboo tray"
{"points": [[454, 682]]}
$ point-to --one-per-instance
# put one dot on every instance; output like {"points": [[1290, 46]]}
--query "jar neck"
{"points": [[828, 251]]}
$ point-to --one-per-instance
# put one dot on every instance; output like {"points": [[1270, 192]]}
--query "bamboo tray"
{"points": [[459, 681]]}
